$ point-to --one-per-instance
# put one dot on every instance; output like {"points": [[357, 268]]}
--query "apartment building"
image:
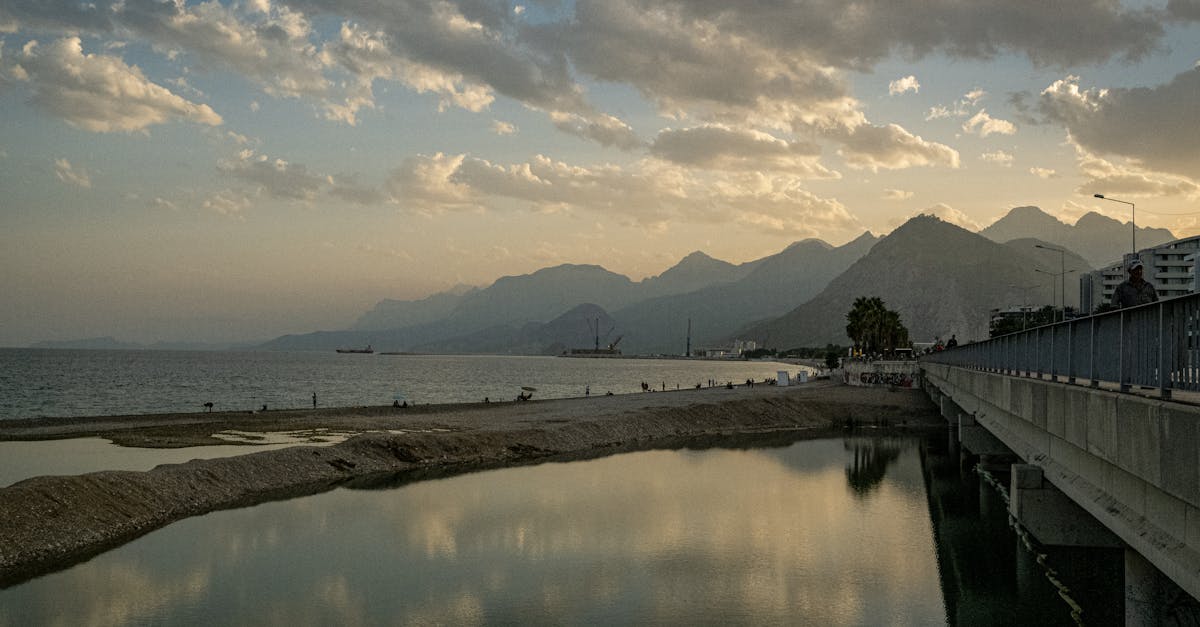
{"points": [[1171, 268]]}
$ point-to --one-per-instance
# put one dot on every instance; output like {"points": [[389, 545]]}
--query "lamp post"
{"points": [[1052, 290], [1062, 266], [1132, 217]]}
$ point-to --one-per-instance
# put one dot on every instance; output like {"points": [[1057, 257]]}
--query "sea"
{"points": [[72, 383]]}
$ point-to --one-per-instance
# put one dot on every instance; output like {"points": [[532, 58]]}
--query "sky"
{"points": [[231, 171]]}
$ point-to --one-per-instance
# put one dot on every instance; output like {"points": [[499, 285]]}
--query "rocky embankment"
{"points": [[47, 523]]}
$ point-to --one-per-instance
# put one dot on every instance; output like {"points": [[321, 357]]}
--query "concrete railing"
{"points": [[1155, 345]]}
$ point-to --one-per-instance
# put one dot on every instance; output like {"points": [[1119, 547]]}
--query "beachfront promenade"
{"points": [[1100, 415]]}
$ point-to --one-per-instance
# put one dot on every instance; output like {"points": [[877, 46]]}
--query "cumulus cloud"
{"points": [[1044, 173], [1130, 180], [719, 147], [998, 157], [890, 147], [961, 108], [897, 194], [503, 128], [603, 129], [274, 177], [901, 85], [985, 125], [1155, 127], [227, 202], [651, 193], [100, 93], [71, 175]]}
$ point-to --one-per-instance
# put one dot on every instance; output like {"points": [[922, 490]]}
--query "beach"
{"points": [[50, 522]]}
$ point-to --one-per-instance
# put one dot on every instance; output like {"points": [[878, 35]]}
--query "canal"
{"points": [[854, 530]]}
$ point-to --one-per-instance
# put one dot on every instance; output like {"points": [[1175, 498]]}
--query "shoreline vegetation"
{"points": [[52, 522]]}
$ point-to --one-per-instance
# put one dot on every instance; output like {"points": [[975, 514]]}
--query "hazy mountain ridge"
{"points": [[570, 330], [1098, 239], [941, 278], [724, 300], [776, 284], [394, 314]]}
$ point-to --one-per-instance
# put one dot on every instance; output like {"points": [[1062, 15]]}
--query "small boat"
{"points": [[368, 350]]}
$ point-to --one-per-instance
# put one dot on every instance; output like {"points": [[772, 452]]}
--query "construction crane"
{"points": [[594, 327]]}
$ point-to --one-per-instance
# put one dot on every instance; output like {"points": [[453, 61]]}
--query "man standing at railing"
{"points": [[1135, 290]]}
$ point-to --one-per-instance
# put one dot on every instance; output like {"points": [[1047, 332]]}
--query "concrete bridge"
{"points": [[1104, 461]]}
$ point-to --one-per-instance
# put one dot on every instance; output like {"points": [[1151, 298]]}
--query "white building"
{"points": [[1171, 268]]}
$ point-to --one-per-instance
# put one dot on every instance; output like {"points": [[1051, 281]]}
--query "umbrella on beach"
{"points": [[528, 389]]}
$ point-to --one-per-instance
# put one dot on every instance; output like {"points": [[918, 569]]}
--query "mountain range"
{"points": [[942, 279], [1098, 239]]}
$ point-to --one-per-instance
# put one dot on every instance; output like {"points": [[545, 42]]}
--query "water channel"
{"points": [[852, 530]]}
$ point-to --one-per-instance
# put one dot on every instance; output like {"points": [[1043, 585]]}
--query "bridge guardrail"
{"points": [[1155, 345]]}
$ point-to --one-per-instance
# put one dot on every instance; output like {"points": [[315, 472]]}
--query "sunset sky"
{"points": [[226, 171]]}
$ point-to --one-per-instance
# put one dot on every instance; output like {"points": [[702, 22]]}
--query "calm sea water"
{"points": [[827, 532], [111, 382]]}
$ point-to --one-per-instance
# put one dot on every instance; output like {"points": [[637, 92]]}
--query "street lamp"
{"points": [[1062, 266], [1132, 218], [1052, 289]]}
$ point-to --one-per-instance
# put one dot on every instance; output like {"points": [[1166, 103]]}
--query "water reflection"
{"points": [[870, 463], [817, 532]]}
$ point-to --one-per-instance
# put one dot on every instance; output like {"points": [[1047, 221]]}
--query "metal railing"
{"points": [[1154, 346]]}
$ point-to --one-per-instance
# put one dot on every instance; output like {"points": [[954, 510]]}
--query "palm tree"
{"points": [[874, 327]]}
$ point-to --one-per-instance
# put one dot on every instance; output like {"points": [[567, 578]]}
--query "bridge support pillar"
{"points": [[977, 439], [1052, 517]]}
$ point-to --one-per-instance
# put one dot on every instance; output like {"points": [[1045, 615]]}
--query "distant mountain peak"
{"points": [[809, 243]]}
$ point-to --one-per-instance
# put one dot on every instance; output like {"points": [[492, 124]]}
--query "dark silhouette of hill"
{"points": [[775, 285], [1098, 239], [941, 278], [395, 314]]}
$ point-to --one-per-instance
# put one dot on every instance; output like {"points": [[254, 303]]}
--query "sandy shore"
{"points": [[47, 523]]}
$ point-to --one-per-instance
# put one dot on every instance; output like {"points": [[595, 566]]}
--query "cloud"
{"points": [[70, 175], [348, 188], [901, 85], [650, 193], [890, 147], [719, 147], [985, 125], [896, 194], [961, 108], [1155, 127], [1130, 180], [503, 128], [1184, 10], [227, 202], [101, 93], [603, 129], [1044, 173], [275, 177], [998, 157]]}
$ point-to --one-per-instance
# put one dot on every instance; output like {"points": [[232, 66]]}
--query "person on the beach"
{"points": [[314, 400]]}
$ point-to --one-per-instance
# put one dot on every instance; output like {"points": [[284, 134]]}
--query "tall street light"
{"points": [[1062, 266], [1052, 298], [1132, 219]]}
